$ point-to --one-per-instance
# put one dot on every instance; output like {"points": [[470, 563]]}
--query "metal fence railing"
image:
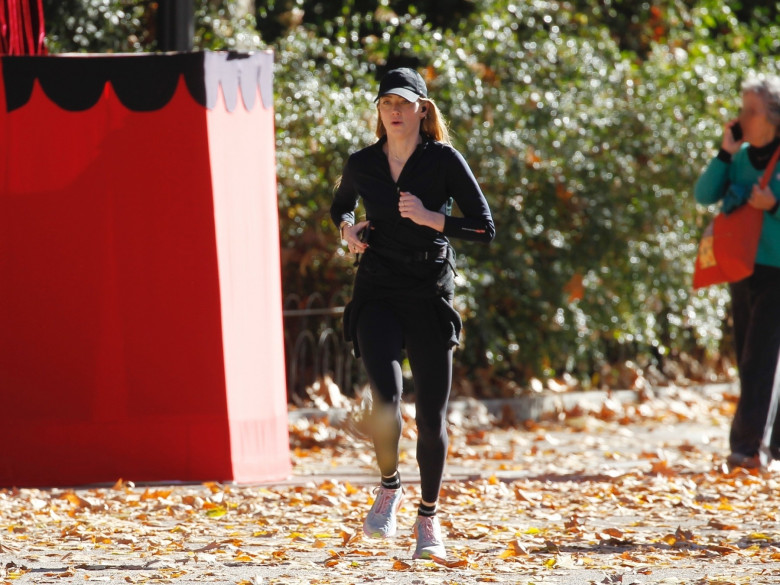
{"points": [[315, 347]]}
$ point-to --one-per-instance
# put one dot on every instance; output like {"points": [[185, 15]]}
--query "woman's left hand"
{"points": [[412, 208], [762, 199]]}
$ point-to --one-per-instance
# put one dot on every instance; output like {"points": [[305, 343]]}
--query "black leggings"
{"points": [[383, 330], [755, 305]]}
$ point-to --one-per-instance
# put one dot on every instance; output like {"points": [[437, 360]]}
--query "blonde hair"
{"points": [[433, 125]]}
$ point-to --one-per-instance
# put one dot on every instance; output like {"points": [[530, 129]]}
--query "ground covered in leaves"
{"points": [[620, 493]]}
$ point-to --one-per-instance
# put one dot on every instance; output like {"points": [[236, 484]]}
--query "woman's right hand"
{"points": [[352, 237], [729, 144]]}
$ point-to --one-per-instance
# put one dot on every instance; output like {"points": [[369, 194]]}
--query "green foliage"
{"points": [[323, 112], [275, 17], [586, 122], [222, 26], [130, 26], [587, 139], [98, 26]]}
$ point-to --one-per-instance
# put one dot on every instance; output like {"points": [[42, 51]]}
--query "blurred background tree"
{"points": [[587, 123], [129, 26]]}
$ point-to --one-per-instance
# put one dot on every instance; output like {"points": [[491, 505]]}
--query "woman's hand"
{"points": [[729, 144], [762, 199], [352, 237], [412, 208]]}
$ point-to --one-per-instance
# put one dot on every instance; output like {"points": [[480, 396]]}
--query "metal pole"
{"points": [[176, 25]]}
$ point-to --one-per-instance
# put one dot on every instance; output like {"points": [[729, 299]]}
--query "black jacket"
{"points": [[407, 262], [434, 173]]}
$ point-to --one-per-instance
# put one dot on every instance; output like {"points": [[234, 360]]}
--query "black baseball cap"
{"points": [[404, 82]]}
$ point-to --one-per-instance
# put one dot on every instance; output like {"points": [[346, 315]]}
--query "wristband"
{"points": [[342, 225]]}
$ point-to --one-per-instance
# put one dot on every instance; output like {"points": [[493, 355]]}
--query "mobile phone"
{"points": [[736, 131], [363, 235]]}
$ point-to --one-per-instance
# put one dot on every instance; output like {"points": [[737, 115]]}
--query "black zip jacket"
{"points": [[434, 173], [406, 262]]}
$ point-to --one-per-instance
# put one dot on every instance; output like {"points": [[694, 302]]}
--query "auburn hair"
{"points": [[433, 125]]}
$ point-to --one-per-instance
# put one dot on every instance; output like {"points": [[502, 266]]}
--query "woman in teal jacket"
{"points": [[732, 177]]}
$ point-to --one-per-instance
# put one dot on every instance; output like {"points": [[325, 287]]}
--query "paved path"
{"points": [[617, 493]]}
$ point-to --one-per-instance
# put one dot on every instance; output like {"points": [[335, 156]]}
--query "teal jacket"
{"points": [[723, 181]]}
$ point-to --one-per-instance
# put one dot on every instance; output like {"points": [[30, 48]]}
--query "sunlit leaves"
{"points": [[586, 122], [129, 26], [587, 155], [603, 488]]}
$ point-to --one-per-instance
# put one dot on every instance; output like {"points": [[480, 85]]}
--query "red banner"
{"points": [[140, 313]]}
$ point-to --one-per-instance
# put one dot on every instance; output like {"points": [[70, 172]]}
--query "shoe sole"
{"points": [[426, 556], [746, 462], [378, 535]]}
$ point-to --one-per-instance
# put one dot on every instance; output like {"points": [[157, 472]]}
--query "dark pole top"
{"points": [[176, 25]]}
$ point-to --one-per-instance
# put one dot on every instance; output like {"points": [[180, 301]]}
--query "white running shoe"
{"points": [[381, 519], [427, 530]]}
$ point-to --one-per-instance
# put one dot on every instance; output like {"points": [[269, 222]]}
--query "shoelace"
{"points": [[426, 527], [385, 497]]}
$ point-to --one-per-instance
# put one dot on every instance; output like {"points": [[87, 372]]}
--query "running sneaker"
{"points": [[381, 521], [735, 460], [427, 530]]}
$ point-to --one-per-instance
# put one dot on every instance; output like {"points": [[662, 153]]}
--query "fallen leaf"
{"points": [[515, 549], [450, 564]]}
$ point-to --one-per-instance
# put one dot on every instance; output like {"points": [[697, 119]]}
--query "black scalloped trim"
{"points": [[143, 82]]}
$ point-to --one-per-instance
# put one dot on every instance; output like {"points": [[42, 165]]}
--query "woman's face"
{"points": [[400, 116], [757, 128]]}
